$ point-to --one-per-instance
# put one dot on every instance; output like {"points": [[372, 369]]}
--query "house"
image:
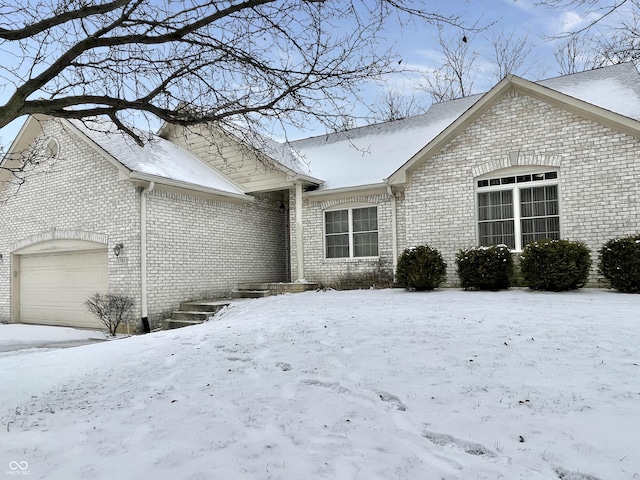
{"points": [[196, 211], [99, 212]]}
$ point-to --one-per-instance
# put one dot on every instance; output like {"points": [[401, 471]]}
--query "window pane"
{"points": [[495, 212], [337, 222], [539, 209], [365, 219], [337, 246], [365, 244], [495, 233]]}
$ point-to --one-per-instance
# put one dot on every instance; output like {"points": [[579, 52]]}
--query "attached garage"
{"points": [[55, 279]]}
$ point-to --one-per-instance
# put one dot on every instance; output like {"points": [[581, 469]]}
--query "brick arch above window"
{"points": [[357, 200], [517, 159], [60, 234]]}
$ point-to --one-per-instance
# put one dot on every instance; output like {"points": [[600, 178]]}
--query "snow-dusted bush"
{"points": [[485, 268], [555, 265], [111, 309], [421, 268], [619, 262]]}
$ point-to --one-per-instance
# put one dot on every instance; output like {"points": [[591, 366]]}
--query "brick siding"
{"points": [[599, 168]]}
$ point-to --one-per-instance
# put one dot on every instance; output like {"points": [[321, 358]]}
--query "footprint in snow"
{"points": [[285, 367], [567, 475], [471, 448], [335, 386], [392, 399]]}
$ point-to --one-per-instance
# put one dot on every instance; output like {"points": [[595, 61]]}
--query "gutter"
{"points": [[143, 256], [372, 187], [221, 194]]}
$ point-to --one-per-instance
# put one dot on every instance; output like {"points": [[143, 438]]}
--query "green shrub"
{"points": [[555, 265], [421, 268], [619, 262], [485, 268]]}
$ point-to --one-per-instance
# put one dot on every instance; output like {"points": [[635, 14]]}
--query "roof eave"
{"points": [[229, 197], [345, 191]]}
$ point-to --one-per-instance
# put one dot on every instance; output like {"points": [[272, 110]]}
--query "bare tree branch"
{"points": [[455, 78], [225, 60], [393, 105], [509, 53], [575, 55], [598, 9]]}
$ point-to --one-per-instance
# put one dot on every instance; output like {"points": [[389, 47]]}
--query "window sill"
{"points": [[351, 259]]}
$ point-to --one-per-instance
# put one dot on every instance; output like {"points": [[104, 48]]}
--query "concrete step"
{"points": [[171, 323], [250, 293], [254, 286], [213, 306], [191, 315]]}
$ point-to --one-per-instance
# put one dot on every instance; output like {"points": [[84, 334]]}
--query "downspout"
{"points": [[143, 256], [299, 246], [394, 229]]}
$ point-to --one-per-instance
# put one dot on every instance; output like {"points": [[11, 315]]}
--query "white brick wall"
{"points": [[319, 269], [76, 197], [599, 168], [200, 248], [196, 247]]}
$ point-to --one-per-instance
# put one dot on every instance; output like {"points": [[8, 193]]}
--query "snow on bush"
{"points": [[619, 262], [485, 268], [555, 265], [421, 268]]}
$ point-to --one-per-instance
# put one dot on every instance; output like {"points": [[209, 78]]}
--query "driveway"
{"points": [[20, 337]]}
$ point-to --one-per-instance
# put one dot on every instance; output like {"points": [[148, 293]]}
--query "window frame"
{"points": [[350, 232], [516, 187]]}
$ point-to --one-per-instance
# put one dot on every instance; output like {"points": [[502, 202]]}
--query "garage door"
{"points": [[53, 287]]}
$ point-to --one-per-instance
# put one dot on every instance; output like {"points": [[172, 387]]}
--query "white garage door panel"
{"points": [[54, 287]]}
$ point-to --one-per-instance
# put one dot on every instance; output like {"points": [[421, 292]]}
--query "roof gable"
{"points": [[544, 93], [253, 161]]}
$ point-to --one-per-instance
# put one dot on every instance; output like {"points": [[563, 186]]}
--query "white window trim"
{"points": [[349, 209], [515, 188]]}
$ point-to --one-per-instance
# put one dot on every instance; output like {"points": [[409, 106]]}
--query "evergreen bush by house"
{"points": [[555, 265], [619, 262], [421, 268], [485, 268]]}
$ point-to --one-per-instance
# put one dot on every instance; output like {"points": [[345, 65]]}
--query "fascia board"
{"points": [[320, 195], [190, 187]]}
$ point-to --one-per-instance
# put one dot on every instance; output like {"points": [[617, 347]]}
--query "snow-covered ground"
{"points": [[364, 385]]}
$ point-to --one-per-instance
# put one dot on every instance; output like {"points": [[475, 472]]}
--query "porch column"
{"points": [[299, 245]]}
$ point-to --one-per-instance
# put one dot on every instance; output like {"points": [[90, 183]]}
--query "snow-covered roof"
{"points": [[158, 157], [615, 88], [367, 155]]}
